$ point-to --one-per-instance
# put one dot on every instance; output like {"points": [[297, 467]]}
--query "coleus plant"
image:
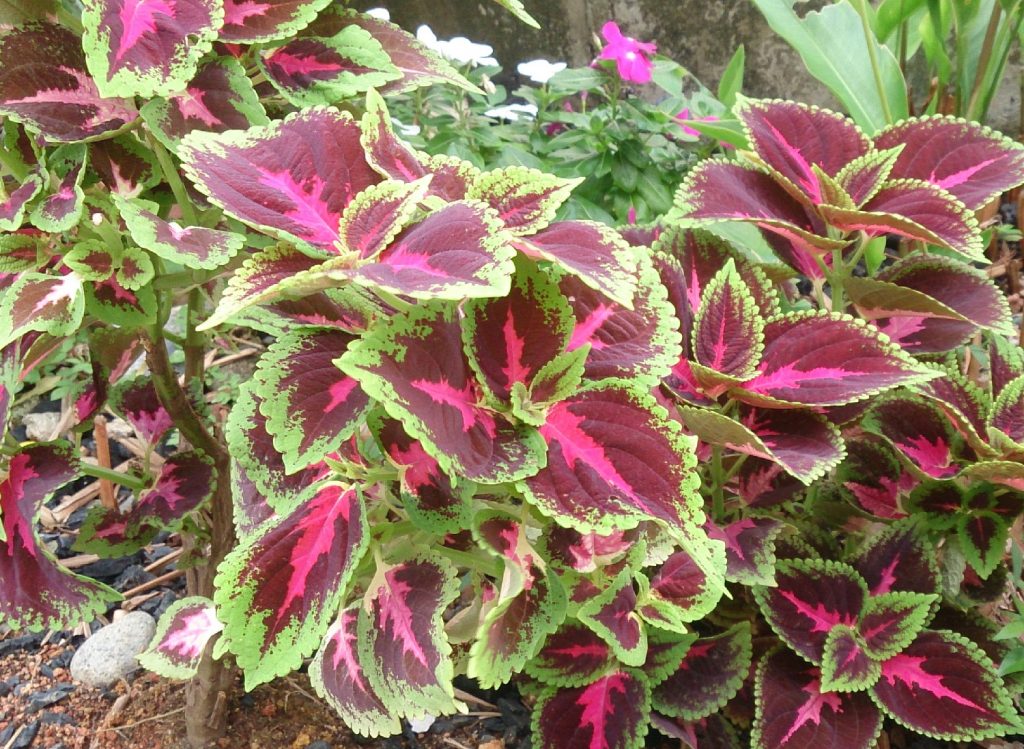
{"points": [[473, 444]]}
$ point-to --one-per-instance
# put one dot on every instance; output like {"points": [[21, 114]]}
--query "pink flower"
{"points": [[685, 115], [628, 53]]}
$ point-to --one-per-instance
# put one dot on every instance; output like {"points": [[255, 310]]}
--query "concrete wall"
{"points": [[699, 34]]}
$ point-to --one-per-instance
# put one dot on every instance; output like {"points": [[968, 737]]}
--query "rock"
{"points": [[41, 426], [39, 700], [24, 642], [132, 576], [319, 744], [24, 738], [110, 653], [57, 719]]}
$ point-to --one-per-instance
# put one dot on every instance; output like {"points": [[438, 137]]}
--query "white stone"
{"points": [[109, 654]]}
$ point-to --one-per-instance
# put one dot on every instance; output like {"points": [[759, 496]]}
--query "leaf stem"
{"points": [[717, 485], [114, 477], [13, 163], [173, 179], [876, 70]]}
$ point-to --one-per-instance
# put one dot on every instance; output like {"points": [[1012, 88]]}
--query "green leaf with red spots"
{"points": [[92, 260], [109, 301], [40, 302], [609, 713], [279, 590], [182, 634]]}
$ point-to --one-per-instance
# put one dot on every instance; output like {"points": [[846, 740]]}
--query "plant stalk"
{"points": [[876, 70], [173, 179], [114, 477]]}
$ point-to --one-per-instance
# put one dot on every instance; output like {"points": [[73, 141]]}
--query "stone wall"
{"points": [[699, 34]]}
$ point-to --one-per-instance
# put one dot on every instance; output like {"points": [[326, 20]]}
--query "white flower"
{"points": [[404, 129], [381, 13], [426, 36], [460, 49], [422, 725], [511, 112], [540, 71]]}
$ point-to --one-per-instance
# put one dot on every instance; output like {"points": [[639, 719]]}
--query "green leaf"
{"points": [[731, 82]]}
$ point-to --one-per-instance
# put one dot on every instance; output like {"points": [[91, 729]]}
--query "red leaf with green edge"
{"points": [[875, 478], [61, 210], [12, 209], [185, 482], [510, 339], [414, 365], [220, 97], [147, 47], [402, 645], [614, 458], [891, 621], [377, 215], [610, 713], [944, 686], [916, 210], [794, 713], [293, 177], [181, 637], [963, 402], [40, 302], [812, 596], [590, 251], [940, 501], [709, 675], [762, 484], [665, 653], [920, 432], [728, 332], [1006, 363], [639, 343], [982, 536], [20, 252], [749, 549], [349, 308], [310, 405], [338, 677], [791, 138], [248, 21], [864, 176], [805, 444], [613, 615], [823, 359], [681, 592], [190, 246], [846, 666], [898, 559], [124, 165], [312, 70], [574, 655], [971, 161], [430, 499], [456, 252], [1008, 411], [718, 190], [526, 199], [113, 304], [585, 552], [713, 732], [136, 401], [278, 591], [248, 504], [45, 86], [530, 604], [39, 593]]}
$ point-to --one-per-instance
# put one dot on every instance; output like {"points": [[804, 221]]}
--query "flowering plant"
{"points": [[630, 56]]}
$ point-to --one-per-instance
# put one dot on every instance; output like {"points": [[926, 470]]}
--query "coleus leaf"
{"points": [[920, 432], [665, 653], [220, 97], [39, 593], [349, 308], [182, 634], [874, 477], [864, 176], [1007, 414], [312, 70], [338, 677], [279, 590], [749, 549], [510, 339], [898, 559], [40, 302], [572, 656], [124, 165], [586, 552], [680, 591], [810, 598], [940, 501], [805, 444], [415, 366], [613, 615], [19, 252], [1006, 363], [136, 400], [186, 481], [310, 405], [147, 47], [113, 304], [792, 711], [135, 269], [846, 665], [713, 732], [614, 459], [529, 606], [61, 210], [823, 359], [982, 536], [639, 342], [249, 21], [15, 204], [728, 331], [708, 676], [293, 177], [972, 162], [431, 500], [891, 621], [963, 402], [791, 138], [944, 686], [526, 199], [249, 506], [192, 246], [375, 217], [595, 254], [402, 646], [44, 84], [609, 713], [914, 209]]}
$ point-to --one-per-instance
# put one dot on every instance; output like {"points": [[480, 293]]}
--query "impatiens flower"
{"points": [[459, 49], [630, 55], [685, 116], [540, 71], [512, 112], [382, 13]]}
